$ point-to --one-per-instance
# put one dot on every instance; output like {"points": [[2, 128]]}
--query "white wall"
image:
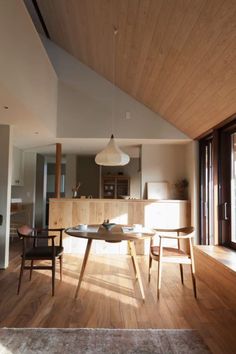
{"points": [[161, 163], [171, 163], [5, 192], [85, 105], [25, 70]]}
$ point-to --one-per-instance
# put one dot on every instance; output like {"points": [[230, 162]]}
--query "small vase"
{"points": [[75, 194]]}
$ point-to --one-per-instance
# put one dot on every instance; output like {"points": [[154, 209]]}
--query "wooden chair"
{"points": [[32, 250], [173, 255]]}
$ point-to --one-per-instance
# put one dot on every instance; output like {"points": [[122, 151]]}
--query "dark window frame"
{"points": [[204, 210], [225, 132], [221, 224]]}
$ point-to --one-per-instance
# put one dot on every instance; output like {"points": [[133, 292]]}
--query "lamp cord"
{"points": [[115, 31]]}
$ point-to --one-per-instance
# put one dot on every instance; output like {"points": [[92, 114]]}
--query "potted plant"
{"points": [[181, 187]]}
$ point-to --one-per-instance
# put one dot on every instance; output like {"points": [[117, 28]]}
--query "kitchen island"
{"points": [[68, 212]]}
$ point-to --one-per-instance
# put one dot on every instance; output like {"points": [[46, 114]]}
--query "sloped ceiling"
{"points": [[175, 56]]}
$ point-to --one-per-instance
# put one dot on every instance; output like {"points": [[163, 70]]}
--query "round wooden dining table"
{"points": [[118, 233]]}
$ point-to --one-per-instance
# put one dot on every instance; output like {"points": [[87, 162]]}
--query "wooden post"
{"points": [[58, 171]]}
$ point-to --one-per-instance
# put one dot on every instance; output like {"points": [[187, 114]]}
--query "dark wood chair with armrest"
{"points": [[177, 255], [32, 250]]}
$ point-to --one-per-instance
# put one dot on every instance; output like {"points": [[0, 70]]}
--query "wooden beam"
{"points": [[58, 171]]}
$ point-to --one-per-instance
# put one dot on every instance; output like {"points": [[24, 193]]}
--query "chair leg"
{"points": [[133, 263], [53, 275], [181, 273], [21, 274], [31, 269], [149, 269], [159, 279], [61, 262], [194, 280]]}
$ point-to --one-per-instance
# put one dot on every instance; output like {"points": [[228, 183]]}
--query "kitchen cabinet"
{"points": [[17, 167]]}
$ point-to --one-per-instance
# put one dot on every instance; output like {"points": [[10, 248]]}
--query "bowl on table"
{"points": [[125, 197], [81, 227]]}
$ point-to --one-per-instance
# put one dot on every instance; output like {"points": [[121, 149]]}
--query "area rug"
{"points": [[100, 341]]}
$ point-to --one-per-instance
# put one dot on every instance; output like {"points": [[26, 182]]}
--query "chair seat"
{"points": [[168, 252], [43, 252]]}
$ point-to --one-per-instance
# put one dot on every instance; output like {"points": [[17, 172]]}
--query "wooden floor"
{"points": [[111, 298]]}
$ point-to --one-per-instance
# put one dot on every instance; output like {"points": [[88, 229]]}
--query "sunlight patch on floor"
{"points": [[4, 350]]}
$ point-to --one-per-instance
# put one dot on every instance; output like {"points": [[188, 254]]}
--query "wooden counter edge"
{"points": [[119, 200]]}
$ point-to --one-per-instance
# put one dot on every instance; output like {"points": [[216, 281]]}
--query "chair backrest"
{"points": [[184, 244], [185, 230], [24, 230], [27, 242]]}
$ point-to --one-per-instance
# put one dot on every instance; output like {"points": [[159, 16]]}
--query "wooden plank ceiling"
{"points": [[178, 57]]}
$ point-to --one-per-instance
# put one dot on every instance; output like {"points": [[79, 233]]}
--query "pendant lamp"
{"points": [[112, 155]]}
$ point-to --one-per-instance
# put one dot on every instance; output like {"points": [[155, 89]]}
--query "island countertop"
{"points": [[119, 200]]}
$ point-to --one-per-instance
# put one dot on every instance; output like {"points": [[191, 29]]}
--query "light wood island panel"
{"points": [[150, 213]]}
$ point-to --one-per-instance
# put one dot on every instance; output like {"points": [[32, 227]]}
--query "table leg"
{"points": [[133, 254], [88, 247]]}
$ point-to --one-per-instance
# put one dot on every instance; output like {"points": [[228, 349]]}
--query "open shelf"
{"points": [[115, 186]]}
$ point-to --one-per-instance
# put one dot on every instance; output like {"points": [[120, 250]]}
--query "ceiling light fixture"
{"points": [[112, 155]]}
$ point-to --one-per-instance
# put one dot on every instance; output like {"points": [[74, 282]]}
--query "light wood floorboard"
{"points": [[110, 297]]}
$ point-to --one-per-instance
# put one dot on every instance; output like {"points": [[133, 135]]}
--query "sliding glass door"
{"points": [[227, 195], [218, 187], [233, 189]]}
